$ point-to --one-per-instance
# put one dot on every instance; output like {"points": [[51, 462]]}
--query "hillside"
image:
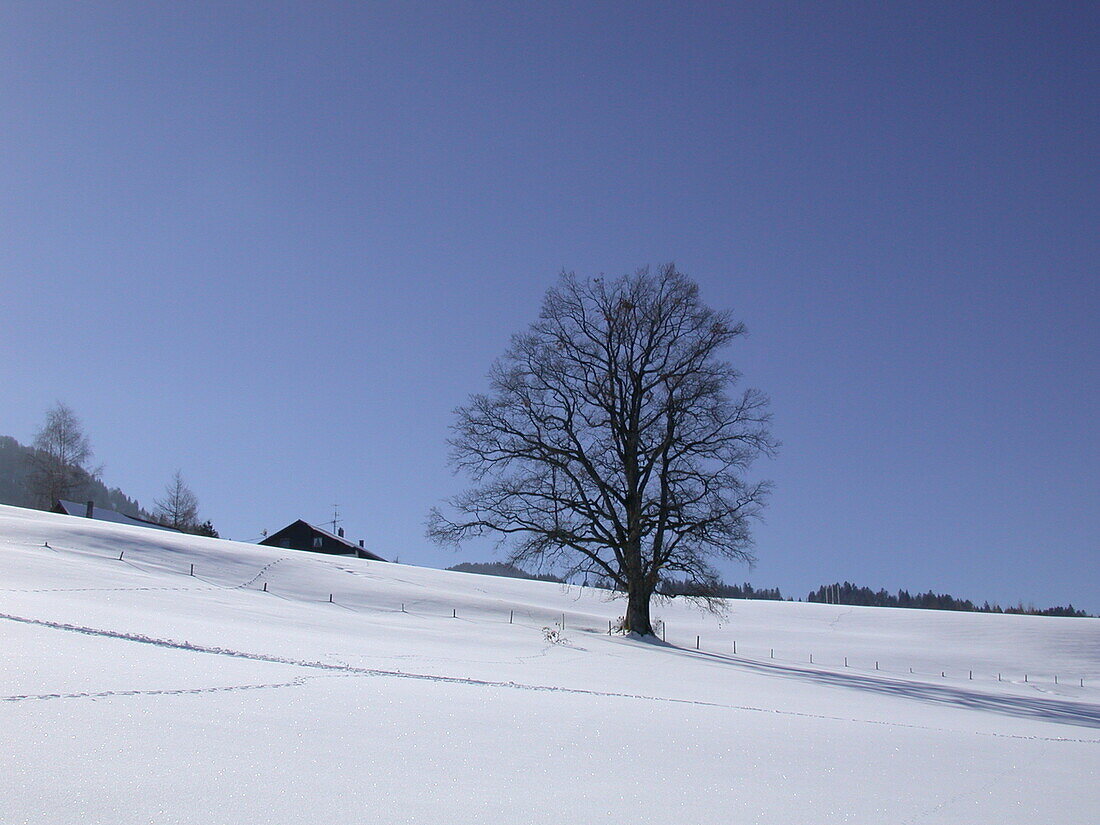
{"points": [[134, 691], [15, 466]]}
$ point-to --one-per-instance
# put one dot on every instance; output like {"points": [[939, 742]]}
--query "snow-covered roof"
{"points": [[74, 508]]}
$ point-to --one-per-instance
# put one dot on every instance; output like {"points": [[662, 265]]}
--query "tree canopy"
{"points": [[180, 506], [609, 445], [59, 464]]}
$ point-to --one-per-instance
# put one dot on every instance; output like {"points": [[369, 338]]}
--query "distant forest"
{"points": [[497, 568], [17, 489], [848, 593], [721, 590], [15, 468]]}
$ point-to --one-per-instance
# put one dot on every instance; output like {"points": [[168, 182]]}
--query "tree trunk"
{"points": [[637, 611]]}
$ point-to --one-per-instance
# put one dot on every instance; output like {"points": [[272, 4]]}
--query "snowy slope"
{"points": [[134, 691]]}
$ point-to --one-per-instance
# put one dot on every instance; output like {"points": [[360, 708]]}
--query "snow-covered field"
{"points": [[131, 691]]}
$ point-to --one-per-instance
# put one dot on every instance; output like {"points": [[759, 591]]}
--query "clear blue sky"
{"points": [[274, 244]]}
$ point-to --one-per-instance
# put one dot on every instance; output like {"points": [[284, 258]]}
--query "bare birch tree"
{"points": [[608, 444], [58, 465]]}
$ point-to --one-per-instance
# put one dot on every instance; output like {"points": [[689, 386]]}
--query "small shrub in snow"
{"points": [[554, 636]]}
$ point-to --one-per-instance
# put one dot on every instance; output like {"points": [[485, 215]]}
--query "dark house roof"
{"points": [[302, 535], [89, 510]]}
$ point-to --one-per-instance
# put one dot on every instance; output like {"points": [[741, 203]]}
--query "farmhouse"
{"points": [[90, 510], [302, 535]]}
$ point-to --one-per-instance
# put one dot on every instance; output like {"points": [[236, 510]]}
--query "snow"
{"points": [[132, 691]]}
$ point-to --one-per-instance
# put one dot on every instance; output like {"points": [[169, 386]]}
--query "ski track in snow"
{"points": [[836, 621], [263, 570], [104, 694], [439, 678], [101, 589]]}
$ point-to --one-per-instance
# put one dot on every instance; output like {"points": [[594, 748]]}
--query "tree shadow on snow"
{"points": [[1022, 707]]}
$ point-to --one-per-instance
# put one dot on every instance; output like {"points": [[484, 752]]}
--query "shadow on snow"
{"points": [[1022, 707]]}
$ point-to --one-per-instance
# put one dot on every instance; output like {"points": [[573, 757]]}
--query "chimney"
{"points": [[340, 532], [360, 542], [89, 511]]}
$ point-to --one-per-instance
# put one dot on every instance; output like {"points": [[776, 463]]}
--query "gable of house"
{"points": [[301, 535]]}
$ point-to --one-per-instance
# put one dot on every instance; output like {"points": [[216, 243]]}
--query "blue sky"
{"points": [[275, 244]]}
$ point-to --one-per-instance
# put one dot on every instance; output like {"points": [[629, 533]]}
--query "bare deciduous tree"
{"points": [[180, 507], [59, 462], [609, 444]]}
